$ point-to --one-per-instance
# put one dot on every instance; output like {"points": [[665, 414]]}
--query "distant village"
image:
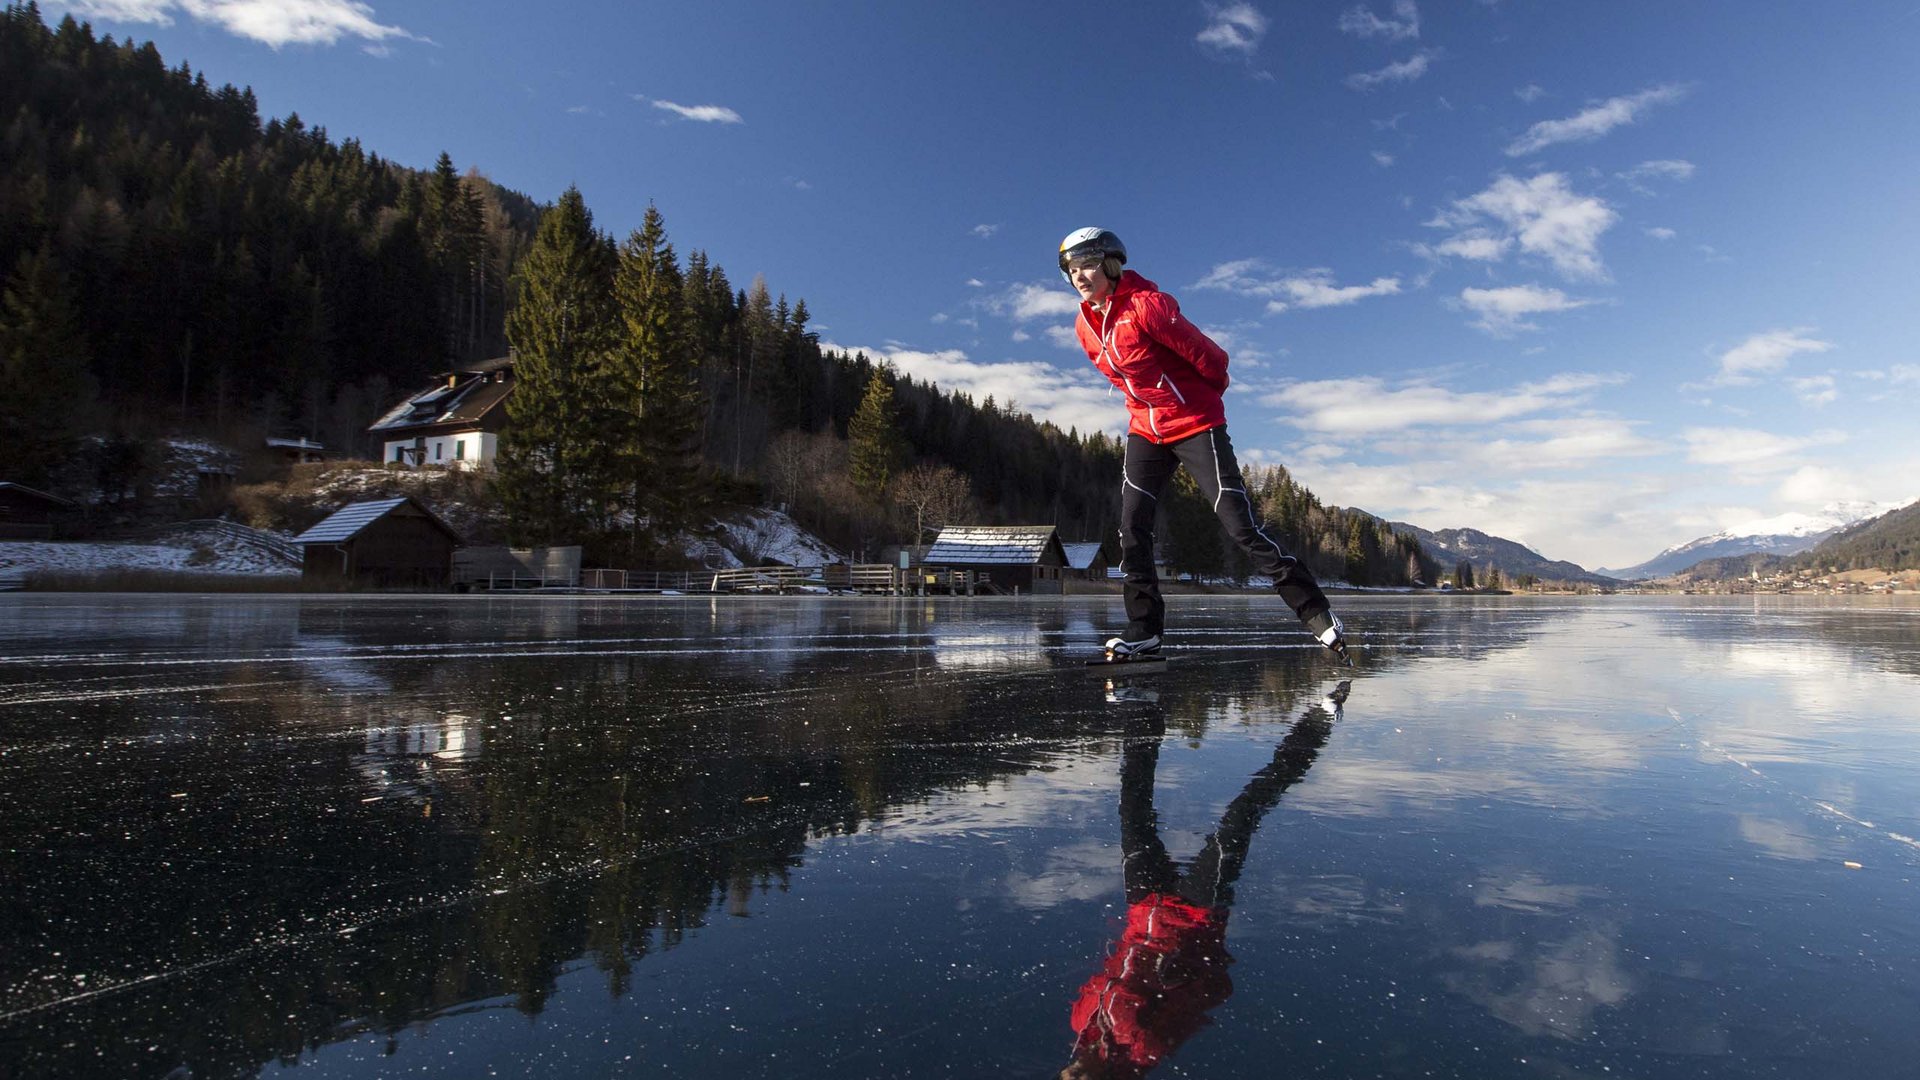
{"points": [[1790, 583]]}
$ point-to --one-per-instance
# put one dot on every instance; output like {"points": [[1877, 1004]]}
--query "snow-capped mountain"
{"points": [[1782, 534]]}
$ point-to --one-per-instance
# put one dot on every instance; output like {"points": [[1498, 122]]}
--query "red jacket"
{"points": [[1156, 989], [1173, 375]]}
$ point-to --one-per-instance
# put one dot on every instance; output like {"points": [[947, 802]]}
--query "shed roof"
{"points": [[1081, 556], [345, 523], [1004, 545]]}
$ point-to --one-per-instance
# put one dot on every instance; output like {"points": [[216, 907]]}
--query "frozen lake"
{"points": [[680, 837]]}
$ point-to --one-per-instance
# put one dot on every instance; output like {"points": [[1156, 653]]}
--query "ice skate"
{"points": [[1328, 630]]}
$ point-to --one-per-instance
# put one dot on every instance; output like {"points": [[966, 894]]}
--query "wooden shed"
{"points": [[380, 542], [1028, 558], [30, 514], [1090, 559]]}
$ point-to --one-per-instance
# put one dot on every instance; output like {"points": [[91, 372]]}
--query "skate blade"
{"points": [[1115, 661]]}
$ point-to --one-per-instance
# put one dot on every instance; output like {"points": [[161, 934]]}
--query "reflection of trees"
{"points": [[321, 879]]}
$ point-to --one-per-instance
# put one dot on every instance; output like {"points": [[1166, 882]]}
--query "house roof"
{"points": [[1081, 556], [345, 523], [1002, 545], [467, 401]]}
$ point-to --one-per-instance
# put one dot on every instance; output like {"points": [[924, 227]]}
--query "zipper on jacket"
{"points": [[1167, 381]]}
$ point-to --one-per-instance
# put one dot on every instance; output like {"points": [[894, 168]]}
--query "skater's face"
{"points": [[1089, 280]]}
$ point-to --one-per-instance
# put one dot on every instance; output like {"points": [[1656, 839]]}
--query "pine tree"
{"points": [[873, 438], [46, 393], [554, 477], [656, 387]]}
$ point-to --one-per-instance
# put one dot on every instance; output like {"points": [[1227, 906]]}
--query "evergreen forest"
{"points": [[172, 265]]}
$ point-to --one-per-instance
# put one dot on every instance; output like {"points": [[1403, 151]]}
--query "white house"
{"points": [[455, 423]]}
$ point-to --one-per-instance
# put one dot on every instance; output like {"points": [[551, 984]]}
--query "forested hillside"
{"points": [[213, 270], [1888, 542], [173, 265]]}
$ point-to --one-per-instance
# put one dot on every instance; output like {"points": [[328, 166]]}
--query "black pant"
{"points": [[1208, 457], [1207, 879]]}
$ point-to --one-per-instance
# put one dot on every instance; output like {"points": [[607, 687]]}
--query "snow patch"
{"points": [[759, 536]]}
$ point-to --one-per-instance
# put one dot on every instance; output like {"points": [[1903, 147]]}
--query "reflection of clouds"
{"points": [[1346, 898], [1087, 870], [1543, 987], [1550, 988], [1778, 838], [1530, 893], [1075, 800]]}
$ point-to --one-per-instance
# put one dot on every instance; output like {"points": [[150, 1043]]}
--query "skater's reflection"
{"points": [[1169, 967]]}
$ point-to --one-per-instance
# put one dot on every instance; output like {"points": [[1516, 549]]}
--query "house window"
{"points": [[437, 448], [459, 449], [399, 453]]}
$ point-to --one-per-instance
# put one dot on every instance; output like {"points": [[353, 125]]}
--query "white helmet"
{"points": [[1088, 243]]}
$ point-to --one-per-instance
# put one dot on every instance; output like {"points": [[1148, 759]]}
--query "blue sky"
{"points": [[1598, 277]]}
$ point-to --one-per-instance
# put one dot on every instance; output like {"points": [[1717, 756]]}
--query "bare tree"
{"points": [[937, 494]]}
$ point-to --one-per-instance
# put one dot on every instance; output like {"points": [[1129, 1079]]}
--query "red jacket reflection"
{"points": [[1156, 988]]}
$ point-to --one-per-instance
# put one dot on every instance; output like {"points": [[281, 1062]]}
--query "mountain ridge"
{"points": [[1781, 535], [1510, 557]]}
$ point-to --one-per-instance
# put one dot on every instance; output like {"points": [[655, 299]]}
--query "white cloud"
{"points": [[1765, 353], [1815, 485], [1316, 289], [1302, 289], [1023, 303], [1382, 158], [1661, 232], [1521, 446], [1069, 398], [706, 114], [1366, 405], [272, 22], [1402, 72], [1817, 390], [1600, 521], [1748, 450], [1668, 169], [1504, 311], [1530, 93], [985, 232], [1477, 244], [1543, 216], [1233, 28], [1593, 122], [1361, 21]]}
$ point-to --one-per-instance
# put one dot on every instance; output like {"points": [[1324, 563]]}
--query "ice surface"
{"points": [[808, 836]]}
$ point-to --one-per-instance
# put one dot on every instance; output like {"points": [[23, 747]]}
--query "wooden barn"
{"points": [[380, 542], [30, 514], [1026, 558]]}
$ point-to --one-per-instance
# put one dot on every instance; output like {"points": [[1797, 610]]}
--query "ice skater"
{"points": [[1173, 377], [1169, 968]]}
